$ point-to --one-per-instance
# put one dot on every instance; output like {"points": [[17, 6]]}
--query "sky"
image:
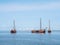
{"points": [[27, 14]]}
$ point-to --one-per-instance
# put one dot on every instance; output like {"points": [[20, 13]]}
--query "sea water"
{"points": [[28, 38]]}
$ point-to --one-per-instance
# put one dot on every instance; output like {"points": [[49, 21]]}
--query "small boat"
{"points": [[40, 30], [49, 30], [14, 29]]}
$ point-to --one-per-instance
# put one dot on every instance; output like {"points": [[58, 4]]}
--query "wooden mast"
{"points": [[49, 24], [40, 24], [14, 25]]}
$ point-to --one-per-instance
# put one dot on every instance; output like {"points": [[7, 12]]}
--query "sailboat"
{"points": [[14, 29], [40, 30], [49, 30]]}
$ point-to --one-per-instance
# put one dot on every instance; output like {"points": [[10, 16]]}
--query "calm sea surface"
{"points": [[28, 38]]}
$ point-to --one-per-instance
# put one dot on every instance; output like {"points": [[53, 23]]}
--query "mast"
{"points": [[49, 24], [14, 25], [40, 24]]}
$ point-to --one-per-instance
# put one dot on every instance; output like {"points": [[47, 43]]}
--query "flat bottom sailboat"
{"points": [[40, 30], [13, 30]]}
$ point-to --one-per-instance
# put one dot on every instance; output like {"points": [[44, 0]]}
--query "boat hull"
{"points": [[49, 31], [13, 31], [38, 31]]}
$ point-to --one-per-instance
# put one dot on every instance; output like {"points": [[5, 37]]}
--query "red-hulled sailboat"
{"points": [[40, 30]]}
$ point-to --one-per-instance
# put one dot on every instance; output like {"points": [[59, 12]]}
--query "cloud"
{"points": [[19, 7]]}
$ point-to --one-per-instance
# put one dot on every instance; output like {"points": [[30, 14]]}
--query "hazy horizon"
{"points": [[27, 14]]}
